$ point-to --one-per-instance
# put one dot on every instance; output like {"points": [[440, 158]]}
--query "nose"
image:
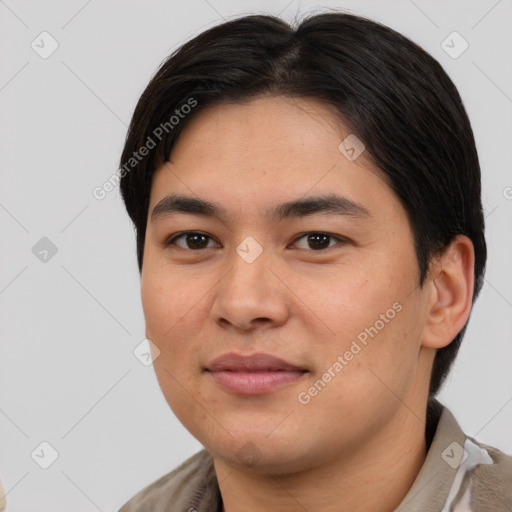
{"points": [[250, 296]]}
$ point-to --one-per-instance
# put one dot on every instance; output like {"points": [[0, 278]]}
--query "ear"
{"points": [[451, 284]]}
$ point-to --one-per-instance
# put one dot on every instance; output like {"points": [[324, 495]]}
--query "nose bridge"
{"points": [[249, 291], [248, 269]]}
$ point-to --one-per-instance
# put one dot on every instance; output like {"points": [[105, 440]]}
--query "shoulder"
{"points": [[481, 475], [182, 489], [459, 472], [491, 482]]}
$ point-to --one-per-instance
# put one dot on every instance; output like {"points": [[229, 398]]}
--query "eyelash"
{"points": [[171, 241]]}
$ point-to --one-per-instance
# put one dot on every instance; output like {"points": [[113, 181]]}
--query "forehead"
{"points": [[267, 151], [275, 124]]}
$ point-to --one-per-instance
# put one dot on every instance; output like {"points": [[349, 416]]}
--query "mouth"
{"points": [[253, 375]]}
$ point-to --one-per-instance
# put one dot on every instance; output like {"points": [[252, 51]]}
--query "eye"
{"points": [[192, 240], [318, 241]]}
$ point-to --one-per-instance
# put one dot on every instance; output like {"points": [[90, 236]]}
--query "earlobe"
{"points": [[451, 284]]}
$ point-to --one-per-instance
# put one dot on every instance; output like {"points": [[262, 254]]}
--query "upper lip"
{"points": [[254, 362]]}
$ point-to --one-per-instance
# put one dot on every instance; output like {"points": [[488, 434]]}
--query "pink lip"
{"points": [[252, 375], [254, 363]]}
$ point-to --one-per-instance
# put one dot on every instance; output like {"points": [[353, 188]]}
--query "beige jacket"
{"points": [[458, 475]]}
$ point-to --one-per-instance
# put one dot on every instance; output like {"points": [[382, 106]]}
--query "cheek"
{"points": [[167, 302], [169, 307], [170, 310], [372, 317], [374, 375], [352, 301]]}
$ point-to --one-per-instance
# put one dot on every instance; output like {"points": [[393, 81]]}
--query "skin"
{"points": [[359, 443]]}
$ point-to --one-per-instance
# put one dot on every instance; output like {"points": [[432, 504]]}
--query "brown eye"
{"points": [[318, 241], [192, 240]]}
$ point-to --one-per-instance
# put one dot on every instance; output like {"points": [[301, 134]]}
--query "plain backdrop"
{"points": [[69, 287]]}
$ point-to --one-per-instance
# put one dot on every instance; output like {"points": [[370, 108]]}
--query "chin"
{"points": [[259, 454]]}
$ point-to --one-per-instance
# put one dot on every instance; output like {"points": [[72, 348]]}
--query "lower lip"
{"points": [[255, 383]]}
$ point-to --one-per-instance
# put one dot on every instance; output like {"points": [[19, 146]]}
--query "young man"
{"points": [[310, 239]]}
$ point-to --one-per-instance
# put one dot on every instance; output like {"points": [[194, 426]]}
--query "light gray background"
{"points": [[69, 326]]}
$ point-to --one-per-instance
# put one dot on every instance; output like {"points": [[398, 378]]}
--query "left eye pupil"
{"points": [[318, 238], [194, 240]]}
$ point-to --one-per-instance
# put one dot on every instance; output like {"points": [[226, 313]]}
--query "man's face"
{"points": [[333, 293]]}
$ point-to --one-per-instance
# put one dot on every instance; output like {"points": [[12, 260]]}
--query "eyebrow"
{"points": [[325, 204]]}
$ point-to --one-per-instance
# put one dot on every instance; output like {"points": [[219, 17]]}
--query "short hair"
{"points": [[386, 89]]}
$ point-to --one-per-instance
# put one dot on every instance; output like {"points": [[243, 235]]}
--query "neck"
{"points": [[376, 476]]}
